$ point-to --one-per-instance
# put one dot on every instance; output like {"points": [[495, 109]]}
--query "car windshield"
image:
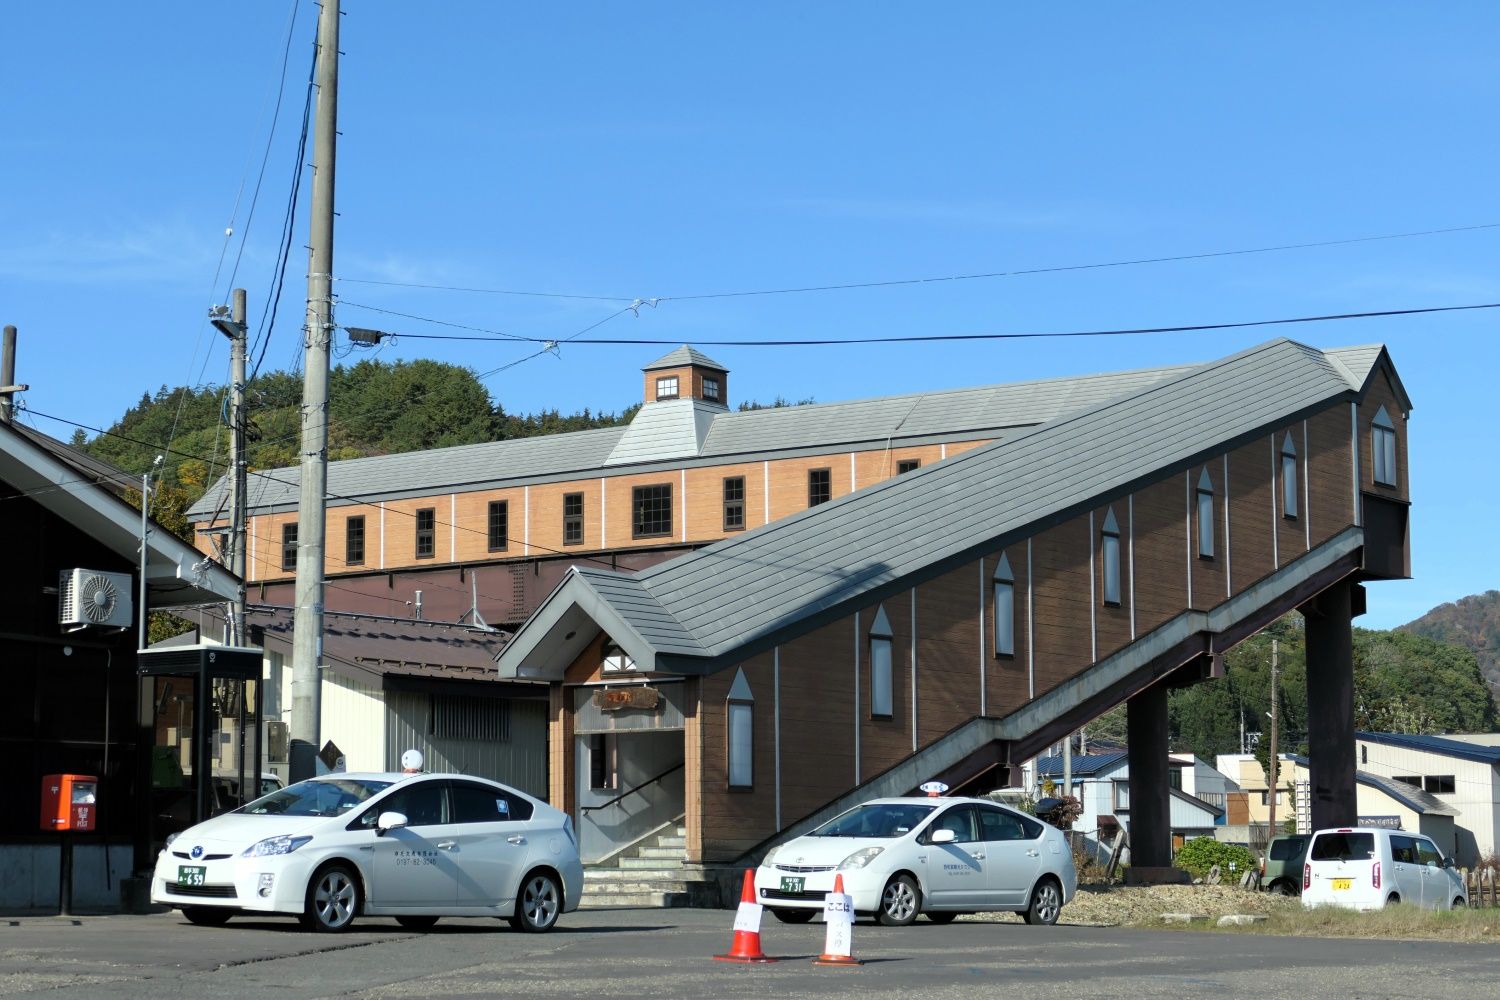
{"points": [[317, 797], [1343, 847], [881, 819]]}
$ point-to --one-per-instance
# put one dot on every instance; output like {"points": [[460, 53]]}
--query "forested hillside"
{"points": [[375, 408], [1472, 622], [1403, 683]]}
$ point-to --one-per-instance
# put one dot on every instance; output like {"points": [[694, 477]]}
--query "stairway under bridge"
{"points": [[980, 754]]}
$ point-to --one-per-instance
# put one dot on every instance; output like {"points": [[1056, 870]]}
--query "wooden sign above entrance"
{"points": [[614, 699]]}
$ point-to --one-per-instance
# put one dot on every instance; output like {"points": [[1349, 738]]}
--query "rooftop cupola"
{"points": [[687, 374]]}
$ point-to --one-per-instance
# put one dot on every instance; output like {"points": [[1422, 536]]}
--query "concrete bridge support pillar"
{"points": [[1330, 703], [1150, 787]]}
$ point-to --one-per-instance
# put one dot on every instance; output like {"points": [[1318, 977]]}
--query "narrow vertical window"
{"points": [[880, 667], [572, 518], [908, 465], [601, 762], [734, 503], [426, 532], [1004, 584], [1109, 550], [288, 546], [499, 526], [819, 486], [1205, 516], [740, 709], [1288, 478], [354, 541], [1383, 448]]}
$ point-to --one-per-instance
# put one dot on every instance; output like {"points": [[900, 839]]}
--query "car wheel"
{"points": [[1046, 903], [1392, 900], [333, 899], [942, 916], [899, 903], [207, 916], [538, 904], [793, 916], [1283, 888], [1459, 903], [417, 923]]}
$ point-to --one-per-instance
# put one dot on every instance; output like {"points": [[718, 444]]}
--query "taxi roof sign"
{"points": [[932, 788]]}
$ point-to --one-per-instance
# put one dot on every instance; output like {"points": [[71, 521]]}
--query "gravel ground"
{"points": [[1110, 906]]}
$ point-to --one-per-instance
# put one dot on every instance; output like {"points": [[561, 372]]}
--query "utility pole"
{"points": [[8, 375], [236, 330], [307, 634], [1275, 763]]}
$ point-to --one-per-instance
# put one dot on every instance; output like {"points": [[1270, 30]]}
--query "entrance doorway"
{"points": [[628, 763]]}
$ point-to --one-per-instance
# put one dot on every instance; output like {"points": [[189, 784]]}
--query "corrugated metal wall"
{"points": [[354, 719], [520, 761]]}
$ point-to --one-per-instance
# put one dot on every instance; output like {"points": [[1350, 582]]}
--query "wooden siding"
{"points": [[1060, 587], [736, 820], [1291, 532], [1007, 678], [818, 715], [1252, 523], [1161, 554], [1208, 573], [1330, 482], [1112, 623]]}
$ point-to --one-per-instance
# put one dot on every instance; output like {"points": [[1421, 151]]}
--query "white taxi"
{"points": [[937, 855], [412, 846]]}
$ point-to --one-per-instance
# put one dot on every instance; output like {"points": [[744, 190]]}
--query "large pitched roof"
{"points": [[826, 561], [686, 431]]}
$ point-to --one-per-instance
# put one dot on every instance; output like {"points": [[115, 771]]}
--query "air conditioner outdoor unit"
{"points": [[94, 597]]}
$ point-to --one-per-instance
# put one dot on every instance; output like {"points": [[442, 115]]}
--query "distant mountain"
{"points": [[1472, 622]]}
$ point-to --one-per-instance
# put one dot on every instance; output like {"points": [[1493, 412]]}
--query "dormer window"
{"points": [[710, 388], [1383, 448], [666, 387]]}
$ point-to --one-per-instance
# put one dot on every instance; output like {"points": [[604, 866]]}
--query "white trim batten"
{"points": [[857, 645], [1275, 476], [765, 479], [1030, 629], [1228, 552], [914, 670], [982, 659], [1130, 553], [1093, 596], [1354, 458], [776, 720]]}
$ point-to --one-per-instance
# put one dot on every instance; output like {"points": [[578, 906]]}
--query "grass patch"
{"points": [[1393, 922]]}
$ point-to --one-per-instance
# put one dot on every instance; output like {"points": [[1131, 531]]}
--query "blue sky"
{"points": [[675, 149]]}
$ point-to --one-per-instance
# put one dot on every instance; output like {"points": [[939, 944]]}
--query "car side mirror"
{"points": [[943, 836], [389, 821], [1447, 862]]}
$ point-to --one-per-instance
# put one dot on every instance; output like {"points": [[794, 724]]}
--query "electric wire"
{"points": [[939, 279], [934, 338]]}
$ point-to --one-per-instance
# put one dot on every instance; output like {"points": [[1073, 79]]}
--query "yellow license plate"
{"points": [[1342, 883]]}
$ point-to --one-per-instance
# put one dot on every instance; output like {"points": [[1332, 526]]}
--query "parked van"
{"points": [[1367, 868], [1281, 865]]}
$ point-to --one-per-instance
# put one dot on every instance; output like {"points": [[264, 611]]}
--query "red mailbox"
{"points": [[69, 801]]}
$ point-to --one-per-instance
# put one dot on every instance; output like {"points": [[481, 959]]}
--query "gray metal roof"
{"points": [[1414, 798], [665, 430], [685, 355], [750, 589], [1477, 753], [699, 431]]}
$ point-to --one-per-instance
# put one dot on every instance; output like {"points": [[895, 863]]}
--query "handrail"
{"points": [[605, 805]]}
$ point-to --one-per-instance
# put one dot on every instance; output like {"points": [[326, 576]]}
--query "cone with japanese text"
{"points": [[838, 915], [746, 946]]}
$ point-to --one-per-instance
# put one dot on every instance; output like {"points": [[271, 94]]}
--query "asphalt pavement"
{"points": [[667, 953]]}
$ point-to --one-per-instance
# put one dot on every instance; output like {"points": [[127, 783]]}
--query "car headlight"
{"points": [[771, 854], [274, 845], [860, 859], [170, 837]]}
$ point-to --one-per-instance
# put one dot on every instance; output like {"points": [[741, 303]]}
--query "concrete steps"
{"points": [[649, 875]]}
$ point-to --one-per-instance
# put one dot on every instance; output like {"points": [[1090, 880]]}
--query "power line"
{"points": [[976, 276], [1025, 335]]}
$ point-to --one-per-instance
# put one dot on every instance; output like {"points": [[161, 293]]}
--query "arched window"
{"points": [[880, 666], [1109, 550], [1288, 478], [1383, 448], [1004, 584], [1205, 516], [740, 706]]}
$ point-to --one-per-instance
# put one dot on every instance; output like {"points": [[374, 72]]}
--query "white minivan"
{"points": [[1367, 868]]}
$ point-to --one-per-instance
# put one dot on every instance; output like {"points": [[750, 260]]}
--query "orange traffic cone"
{"points": [[746, 947], [838, 914]]}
